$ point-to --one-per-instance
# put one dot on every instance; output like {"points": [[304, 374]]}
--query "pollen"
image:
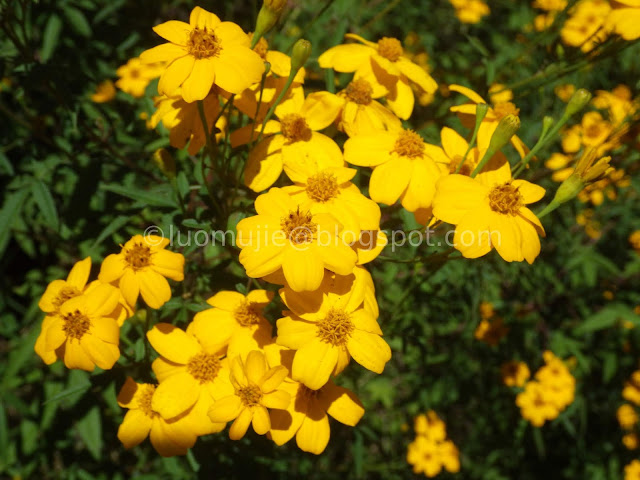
{"points": [[67, 292], [247, 314], [144, 400], [294, 128], [203, 44], [503, 109], [409, 144], [138, 256], [359, 91], [299, 227], [250, 395], [322, 187], [76, 324], [505, 199], [336, 327], [390, 48], [204, 367]]}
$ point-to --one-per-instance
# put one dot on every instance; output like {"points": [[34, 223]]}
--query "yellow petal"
{"points": [[345, 58], [103, 354], [169, 264], [175, 395], [276, 399], [202, 19], [264, 164], [174, 31], [76, 357], [342, 404], [200, 80], [255, 366], [295, 333], [261, 421], [363, 320], [134, 428], [167, 52], [314, 363], [49, 296], [455, 196], [320, 109], [237, 68], [226, 300], [260, 297], [339, 258], [175, 74], [467, 92], [79, 274], [417, 75], [154, 288], [303, 267], [400, 98], [313, 435], [508, 241], [530, 192], [422, 186], [164, 368], [369, 350], [172, 343], [225, 409], [230, 33], [101, 300], [241, 424], [473, 236], [162, 442], [112, 268], [129, 286], [369, 150], [390, 180], [272, 379]]}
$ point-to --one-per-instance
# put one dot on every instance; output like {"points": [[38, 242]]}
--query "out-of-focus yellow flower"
{"points": [[486, 310], [624, 19], [585, 26], [632, 471], [430, 452], [559, 162], [470, 11], [631, 390], [498, 93], [430, 426], [514, 373], [631, 441], [594, 131], [491, 331], [627, 416], [634, 240], [203, 53], [134, 76], [105, 92], [565, 91]]}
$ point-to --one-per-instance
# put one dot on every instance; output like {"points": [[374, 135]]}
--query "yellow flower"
{"points": [[203, 53], [168, 437], [631, 390], [559, 162], [467, 113], [491, 331], [387, 62], [565, 91], [423, 455], [361, 113], [624, 19], [486, 310], [430, 426], [328, 327], [514, 374], [585, 27], [83, 332], [627, 416], [105, 92], [634, 240], [183, 121], [550, 5], [294, 139], [593, 132], [490, 211], [470, 11], [236, 320], [631, 442], [59, 291], [141, 268], [306, 417], [257, 387], [134, 76], [329, 191], [283, 236], [402, 167], [534, 404], [632, 471], [192, 374]]}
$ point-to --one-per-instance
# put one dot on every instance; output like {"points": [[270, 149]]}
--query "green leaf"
{"points": [[606, 318], [29, 436], [115, 225], [46, 204], [158, 199], [90, 430], [12, 207], [68, 392], [50, 37], [77, 20]]}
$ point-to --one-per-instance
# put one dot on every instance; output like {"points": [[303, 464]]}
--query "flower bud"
{"points": [[577, 102], [267, 18], [481, 112], [165, 162], [506, 129], [300, 55]]}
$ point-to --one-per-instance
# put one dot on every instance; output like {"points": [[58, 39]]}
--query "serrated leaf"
{"points": [[50, 37], [46, 204]]}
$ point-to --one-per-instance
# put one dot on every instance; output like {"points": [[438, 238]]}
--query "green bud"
{"points": [[267, 17], [481, 112], [569, 189], [577, 102], [165, 162], [300, 55], [506, 129]]}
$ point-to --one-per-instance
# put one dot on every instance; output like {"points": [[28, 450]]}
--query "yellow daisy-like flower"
{"points": [[237, 320], [402, 167], [593, 132], [361, 114], [184, 122], [83, 332], [192, 374], [490, 211], [328, 190], [631, 441], [514, 373], [632, 471], [203, 53], [59, 291], [105, 92], [470, 11], [291, 140], [631, 390], [283, 236], [387, 62], [585, 27], [535, 405], [257, 387], [141, 268], [627, 416], [327, 328], [168, 437], [135, 76], [624, 19], [430, 426]]}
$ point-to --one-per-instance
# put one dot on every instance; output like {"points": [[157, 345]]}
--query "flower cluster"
{"points": [[627, 413], [552, 390], [431, 451]]}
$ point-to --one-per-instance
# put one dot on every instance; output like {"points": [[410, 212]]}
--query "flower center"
{"points": [[298, 227], [138, 256], [204, 367], [203, 44], [335, 328], [134, 73], [247, 314], [322, 187], [503, 109], [505, 199], [294, 127], [261, 48], [144, 400], [250, 395], [65, 293], [359, 91], [409, 144], [390, 48], [76, 324]]}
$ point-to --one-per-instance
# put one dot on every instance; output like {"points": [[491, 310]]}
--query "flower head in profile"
{"points": [[490, 211], [237, 321], [141, 268], [135, 76], [402, 167], [168, 437], [257, 388], [328, 327], [203, 53], [83, 332], [387, 63], [307, 416], [192, 373], [284, 237], [105, 92]]}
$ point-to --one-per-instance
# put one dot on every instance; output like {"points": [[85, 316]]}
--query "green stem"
{"points": [[542, 141], [211, 152], [480, 114], [272, 110], [308, 25]]}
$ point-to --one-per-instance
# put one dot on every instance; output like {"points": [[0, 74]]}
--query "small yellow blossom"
{"points": [[514, 373], [105, 92]]}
